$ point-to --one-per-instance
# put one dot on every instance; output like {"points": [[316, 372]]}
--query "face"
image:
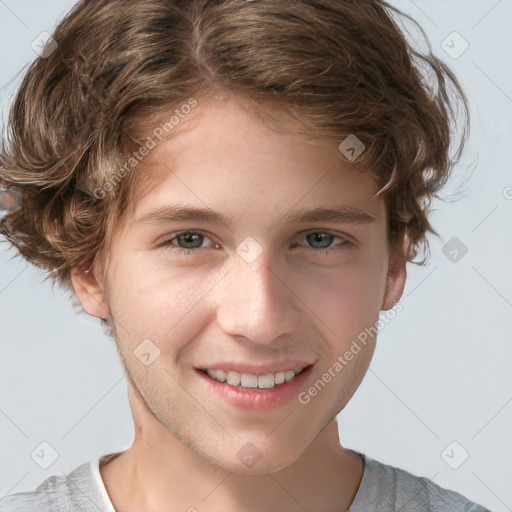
{"points": [[255, 253]]}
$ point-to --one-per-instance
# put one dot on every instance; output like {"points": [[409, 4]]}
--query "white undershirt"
{"points": [[95, 471]]}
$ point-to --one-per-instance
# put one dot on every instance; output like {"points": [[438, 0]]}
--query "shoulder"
{"points": [[66, 493], [387, 488]]}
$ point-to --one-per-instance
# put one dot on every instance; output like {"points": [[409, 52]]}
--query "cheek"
{"points": [[346, 300], [151, 302]]}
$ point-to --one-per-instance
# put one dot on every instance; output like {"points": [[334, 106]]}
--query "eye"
{"points": [[189, 241], [321, 241]]}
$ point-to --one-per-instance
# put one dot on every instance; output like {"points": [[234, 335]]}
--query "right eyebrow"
{"points": [[177, 213]]}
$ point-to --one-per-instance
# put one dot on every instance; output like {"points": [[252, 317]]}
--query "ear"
{"points": [[90, 290], [397, 275]]}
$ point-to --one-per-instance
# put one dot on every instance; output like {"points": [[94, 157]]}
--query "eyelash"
{"points": [[181, 250]]}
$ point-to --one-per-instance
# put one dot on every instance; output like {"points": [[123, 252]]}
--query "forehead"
{"points": [[226, 158]]}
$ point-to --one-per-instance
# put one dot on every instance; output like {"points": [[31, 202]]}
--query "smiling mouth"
{"points": [[250, 380]]}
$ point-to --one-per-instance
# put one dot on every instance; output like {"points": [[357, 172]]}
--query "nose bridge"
{"points": [[255, 303]]}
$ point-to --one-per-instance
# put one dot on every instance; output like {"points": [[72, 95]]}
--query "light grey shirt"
{"points": [[383, 488]]}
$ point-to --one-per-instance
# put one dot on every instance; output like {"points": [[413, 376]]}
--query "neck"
{"points": [[159, 473]]}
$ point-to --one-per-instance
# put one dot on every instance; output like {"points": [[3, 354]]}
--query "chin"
{"points": [[263, 466], [257, 456]]}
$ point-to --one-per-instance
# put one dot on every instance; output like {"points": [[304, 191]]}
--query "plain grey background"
{"points": [[439, 387]]}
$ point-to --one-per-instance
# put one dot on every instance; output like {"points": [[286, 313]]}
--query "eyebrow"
{"points": [[181, 213]]}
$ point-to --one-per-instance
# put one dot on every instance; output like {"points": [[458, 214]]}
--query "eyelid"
{"points": [[169, 237], [342, 236], [345, 240]]}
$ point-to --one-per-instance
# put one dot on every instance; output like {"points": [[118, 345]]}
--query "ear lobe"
{"points": [[396, 277], [89, 290]]}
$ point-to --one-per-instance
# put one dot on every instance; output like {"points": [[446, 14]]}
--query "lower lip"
{"points": [[255, 399]]}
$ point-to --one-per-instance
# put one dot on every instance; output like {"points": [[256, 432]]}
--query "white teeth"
{"points": [[248, 381], [233, 378], [279, 377], [251, 381], [289, 375], [266, 381]]}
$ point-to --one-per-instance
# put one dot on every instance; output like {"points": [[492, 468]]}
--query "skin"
{"points": [[210, 305]]}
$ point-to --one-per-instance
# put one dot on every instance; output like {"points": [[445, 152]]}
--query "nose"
{"points": [[256, 302]]}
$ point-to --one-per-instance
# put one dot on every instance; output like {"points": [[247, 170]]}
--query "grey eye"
{"points": [[190, 240], [322, 239]]}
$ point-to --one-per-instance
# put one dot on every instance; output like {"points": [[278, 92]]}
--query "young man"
{"points": [[234, 187]]}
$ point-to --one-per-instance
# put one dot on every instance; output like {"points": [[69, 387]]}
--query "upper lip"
{"points": [[258, 369]]}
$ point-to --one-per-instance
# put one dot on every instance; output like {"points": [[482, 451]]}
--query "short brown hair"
{"points": [[341, 67]]}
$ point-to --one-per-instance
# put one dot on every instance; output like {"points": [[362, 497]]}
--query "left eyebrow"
{"points": [[342, 215], [177, 213]]}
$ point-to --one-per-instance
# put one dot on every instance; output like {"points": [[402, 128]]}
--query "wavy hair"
{"points": [[340, 67]]}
